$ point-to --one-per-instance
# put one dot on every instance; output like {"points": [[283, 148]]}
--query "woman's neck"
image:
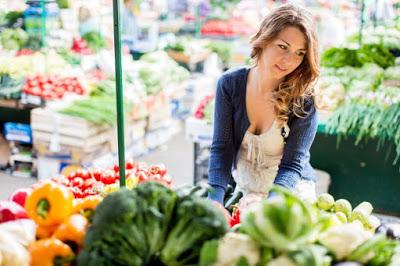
{"points": [[263, 82]]}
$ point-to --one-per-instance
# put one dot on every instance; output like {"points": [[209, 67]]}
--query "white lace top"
{"points": [[258, 160]]}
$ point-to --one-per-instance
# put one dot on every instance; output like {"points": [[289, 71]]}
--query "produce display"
{"points": [[225, 28], [86, 218], [205, 109], [46, 223], [52, 87], [13, 39], [367, 53], [187, 45], [360, 88], [157, 70], [388, 35], [37, 63], [285, 230], [94, 41]]}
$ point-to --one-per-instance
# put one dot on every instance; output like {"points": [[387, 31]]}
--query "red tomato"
{"points": [[130, 164], [108, 178], [77, 182], [89, 183], [19, 196]]}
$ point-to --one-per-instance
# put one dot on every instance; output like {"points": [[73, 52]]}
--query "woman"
{"points": [[265, 118]]}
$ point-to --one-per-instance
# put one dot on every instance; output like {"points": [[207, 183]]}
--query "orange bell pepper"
{"points": [[49, 204], [50, 252], [86, 206], [45, 231], [72, 231]]}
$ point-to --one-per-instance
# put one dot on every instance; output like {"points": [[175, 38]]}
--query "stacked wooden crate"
{"points": [[66, 140]]}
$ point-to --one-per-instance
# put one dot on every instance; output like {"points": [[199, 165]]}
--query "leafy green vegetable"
{"points": [[99, 108], [367, 121], [94, 40], [368, 53], [339, 57], [310, 255], [196, 221], [13, 39], [12, 17], [69, 57], [284, 223], [34, 43], [223, 49], [375, 251], [375, 53], [63, 3], [129, 226]]}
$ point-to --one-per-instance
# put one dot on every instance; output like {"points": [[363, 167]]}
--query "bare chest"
{"points": [[260, 111]]}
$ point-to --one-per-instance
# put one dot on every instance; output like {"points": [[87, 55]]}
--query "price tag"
{"points": [[31, 99]]}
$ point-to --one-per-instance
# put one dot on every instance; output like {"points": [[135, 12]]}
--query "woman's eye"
{"points": [[283, 47], [301, 53]]}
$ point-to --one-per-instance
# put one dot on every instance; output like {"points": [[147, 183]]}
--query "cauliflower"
{"points": [[343, 239], [281, 261], [230, 250], [242, 245], [12, 253]]}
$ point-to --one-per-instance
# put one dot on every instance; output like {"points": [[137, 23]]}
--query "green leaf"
{"points": [[209, 253]]}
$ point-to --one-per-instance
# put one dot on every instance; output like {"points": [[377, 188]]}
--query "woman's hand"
{"points": [[223, 210]]}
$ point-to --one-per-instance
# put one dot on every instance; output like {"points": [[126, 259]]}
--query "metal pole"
{"points": [[120, 93]]}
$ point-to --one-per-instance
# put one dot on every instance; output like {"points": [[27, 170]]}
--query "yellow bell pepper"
{"points": [[72, 231], [49, 204], [86, 206], [50, 252], [45, 231]]}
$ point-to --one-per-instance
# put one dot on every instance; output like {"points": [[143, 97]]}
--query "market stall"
{"points": [[94, 102]]}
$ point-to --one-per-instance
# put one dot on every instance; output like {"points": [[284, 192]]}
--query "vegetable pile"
{"points": [[285, 230], [95, 41], [52, 87], [151, 225], [343, 211], [367, 53], [361, 88], [46, 223], [205, 109], [13, 39], [226, 28]]}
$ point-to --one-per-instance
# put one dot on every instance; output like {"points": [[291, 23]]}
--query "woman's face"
{"points": [[284, 53]]}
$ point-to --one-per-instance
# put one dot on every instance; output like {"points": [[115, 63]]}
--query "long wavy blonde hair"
{"points": [[289, 97]]}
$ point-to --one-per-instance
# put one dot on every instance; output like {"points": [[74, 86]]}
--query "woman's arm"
{"points": [[220, 163], [297, 149]]}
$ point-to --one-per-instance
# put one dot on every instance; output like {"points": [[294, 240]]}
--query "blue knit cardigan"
{"points": [[230, 125]]}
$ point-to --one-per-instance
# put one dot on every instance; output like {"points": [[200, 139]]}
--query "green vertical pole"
{"points": [[120, 93], [361, 22], [43, 24]]}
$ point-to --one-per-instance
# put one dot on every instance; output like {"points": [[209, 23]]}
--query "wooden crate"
{"points": [[48, 120], [189, 59]]}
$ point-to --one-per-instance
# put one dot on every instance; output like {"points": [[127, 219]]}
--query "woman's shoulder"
{"points": [[233, 81], [234, 74]]}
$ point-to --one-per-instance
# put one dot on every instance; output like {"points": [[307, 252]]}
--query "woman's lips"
{"points": [[280, 68]]}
